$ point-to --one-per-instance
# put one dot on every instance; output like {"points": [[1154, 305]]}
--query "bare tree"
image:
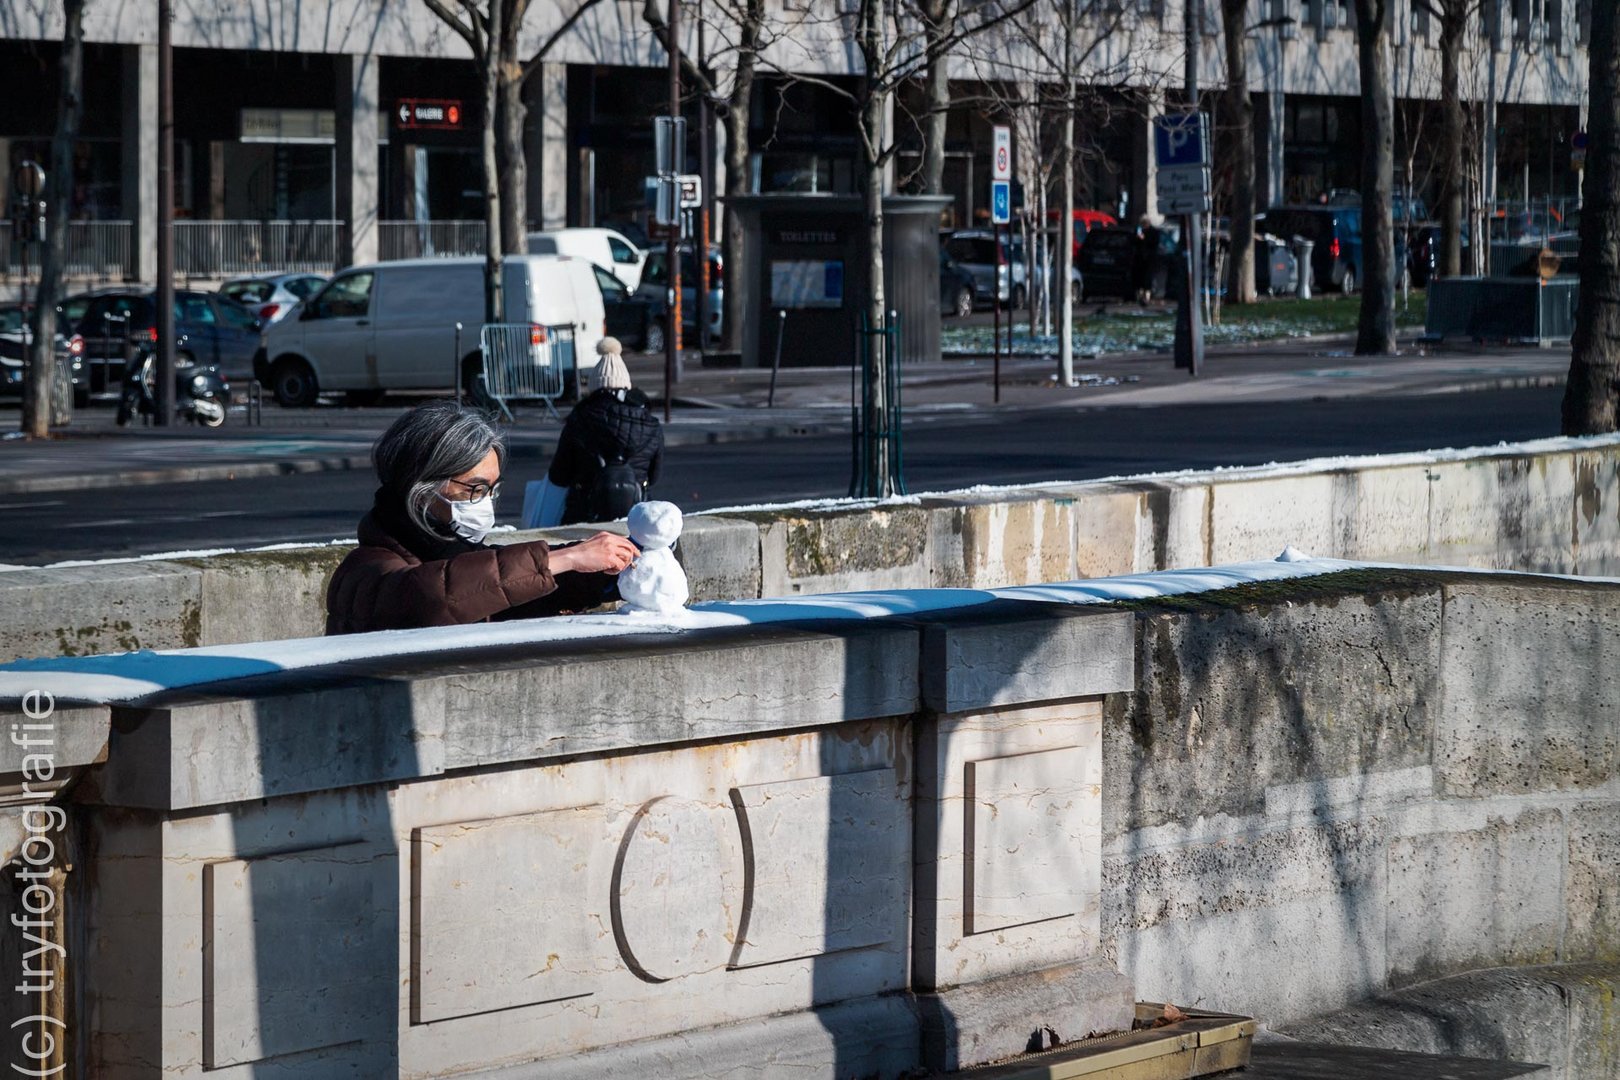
{"points": [[744, 32], [1591, 394], [493, 31], [1239, 123], [936, 18], [1064, 42], [894, 50], [41, 371], [1376, 332]]}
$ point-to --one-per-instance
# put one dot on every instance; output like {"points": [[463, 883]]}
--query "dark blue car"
{"points": [[209, 329], [1336, 260]]}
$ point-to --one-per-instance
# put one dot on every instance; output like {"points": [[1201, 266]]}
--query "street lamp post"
{"points": [[165, 217]]}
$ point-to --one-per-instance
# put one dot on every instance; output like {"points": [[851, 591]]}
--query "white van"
{"points": [[608, 249], [392, 326]]}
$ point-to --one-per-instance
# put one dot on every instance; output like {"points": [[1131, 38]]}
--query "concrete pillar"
{"points": [[358, 195], [139, 150], [1271, 129], [545, 141], [1144, 168]]}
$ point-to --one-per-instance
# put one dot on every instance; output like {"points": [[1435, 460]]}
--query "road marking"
{"points": [[30, 505]]}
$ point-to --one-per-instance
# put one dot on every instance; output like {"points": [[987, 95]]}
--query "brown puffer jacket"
{"points": [[400, 578]]}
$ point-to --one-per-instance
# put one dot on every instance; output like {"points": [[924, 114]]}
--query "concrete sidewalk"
{"points": [[722, 405]]}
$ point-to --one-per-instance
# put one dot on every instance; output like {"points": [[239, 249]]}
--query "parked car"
{"points": [[1336, 260], [209, 329], [1116, 262], [956, 288], [610, 250], [272, 297], [655, 289], [994, 281], [1036, 273], [636, 321], [392, 325], [1084, 222]]}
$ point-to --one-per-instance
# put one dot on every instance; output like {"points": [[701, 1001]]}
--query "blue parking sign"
{"points": [[1000, 202], [1181, 139]]}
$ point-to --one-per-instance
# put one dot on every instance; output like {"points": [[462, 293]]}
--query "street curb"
{"points": [[243, 470], [252, 470], [249, 470]]}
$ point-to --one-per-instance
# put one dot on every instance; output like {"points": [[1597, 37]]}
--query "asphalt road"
{"points": [[1012, 448]]}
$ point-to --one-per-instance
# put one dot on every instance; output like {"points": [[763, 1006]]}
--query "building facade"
{"points": [[353, 126]]}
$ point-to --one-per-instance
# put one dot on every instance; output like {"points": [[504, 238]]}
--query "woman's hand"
{"points": [[604, 552]]}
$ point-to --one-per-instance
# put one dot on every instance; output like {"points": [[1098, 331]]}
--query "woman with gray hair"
{"points": [[422, 560]]}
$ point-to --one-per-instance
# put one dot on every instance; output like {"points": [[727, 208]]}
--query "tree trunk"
{"points": [[1376, 332], [1594, 368], [936, 23], [874, 137], [739, 106], [1453, 129], [1240, 122], [491, 58], [511, 161], [41, 369], [1066, 233]]}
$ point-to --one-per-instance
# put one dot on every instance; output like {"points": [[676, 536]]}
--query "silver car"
{"points": [[272, 296]]}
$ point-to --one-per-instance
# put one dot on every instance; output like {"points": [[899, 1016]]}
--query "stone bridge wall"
{"points": [[849, 847], [1552, 507]]}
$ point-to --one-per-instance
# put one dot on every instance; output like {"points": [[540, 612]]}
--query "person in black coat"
{"points": [[612, 424]]}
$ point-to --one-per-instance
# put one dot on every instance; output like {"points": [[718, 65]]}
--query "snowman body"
{"points": [[655, 584]]}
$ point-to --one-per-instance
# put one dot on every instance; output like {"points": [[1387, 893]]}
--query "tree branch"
{"points": [[531, 65], [450, 19]]}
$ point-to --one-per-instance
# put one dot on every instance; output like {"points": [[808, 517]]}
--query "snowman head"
{"points": [[655, 525]]}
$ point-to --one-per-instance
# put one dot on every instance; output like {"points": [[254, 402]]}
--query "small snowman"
{"points": [[655, 584]]}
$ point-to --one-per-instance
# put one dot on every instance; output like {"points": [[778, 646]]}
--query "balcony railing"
{"points": [[429, 239], [96, 251], [216, 249]]}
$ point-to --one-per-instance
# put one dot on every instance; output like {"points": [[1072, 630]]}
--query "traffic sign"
{"points": [[1001, 159], [1181, 140], [669, 143], [691, 185], [1182, 183], [1000, 202]]}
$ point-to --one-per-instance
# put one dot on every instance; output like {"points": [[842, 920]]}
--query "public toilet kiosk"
{"points": [[802, 255]]}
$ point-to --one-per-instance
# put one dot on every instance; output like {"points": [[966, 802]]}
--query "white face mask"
{"points": [[472, 520]]}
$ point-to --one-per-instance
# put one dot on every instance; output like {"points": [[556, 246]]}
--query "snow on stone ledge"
{"points": [[118, 677]]}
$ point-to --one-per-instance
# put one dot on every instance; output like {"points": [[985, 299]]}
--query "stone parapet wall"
{"points": [[1550, 507], [849, 847], [1329, 788]]}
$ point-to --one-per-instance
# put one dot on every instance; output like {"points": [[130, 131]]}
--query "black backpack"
{"points": [[613, 492]]}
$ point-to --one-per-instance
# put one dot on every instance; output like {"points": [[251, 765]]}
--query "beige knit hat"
{"points": [[610, 373]]}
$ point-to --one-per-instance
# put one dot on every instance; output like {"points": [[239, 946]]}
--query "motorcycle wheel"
{"points": [[210, 419]]}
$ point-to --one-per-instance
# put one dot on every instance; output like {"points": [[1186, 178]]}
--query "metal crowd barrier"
{"points": [[525, 362]]}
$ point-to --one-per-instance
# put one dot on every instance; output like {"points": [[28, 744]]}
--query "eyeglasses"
{"points": [[478, 491]]}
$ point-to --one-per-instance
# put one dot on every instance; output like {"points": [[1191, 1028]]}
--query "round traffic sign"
{"points": [[1001, 159], [28, 180]]}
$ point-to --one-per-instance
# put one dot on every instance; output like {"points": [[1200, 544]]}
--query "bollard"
{"points": [[776, 365], [456, 360], [1302, 258]]}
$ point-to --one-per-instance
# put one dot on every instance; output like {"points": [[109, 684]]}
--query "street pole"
{"points": [[672, 338], [165, 217], [706, 179], [1189, 323]]}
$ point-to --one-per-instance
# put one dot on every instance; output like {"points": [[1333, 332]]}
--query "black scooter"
{"points": [[201, 393]]}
